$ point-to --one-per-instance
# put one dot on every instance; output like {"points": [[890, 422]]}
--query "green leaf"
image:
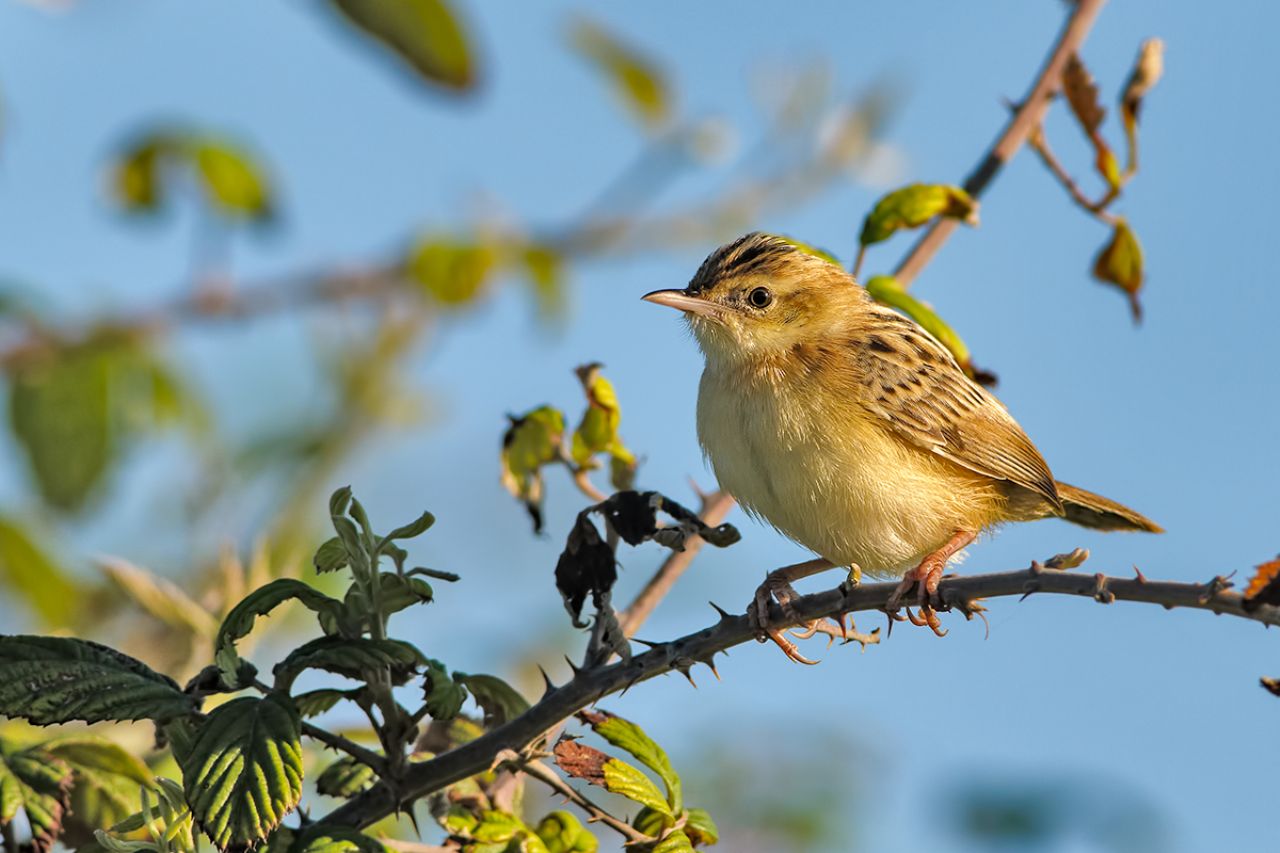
{"points": [[28, 572], [443, 695], [532, 440], [345, 778], [330, 556], [562, 832], [413, 529], [162, 599], [1120, 263], [135, 175], [57, 679], [676, 842], [598, 430], [233, 182], [105, 783], [913, 206], [61, 413], [612, 774], [423, 33], [239, 622], [313, 703], [701, 829], [886, 290], [499, 700], [636, 79], [244, 771], [625, 734], [97, 754], [450, 271], [39, 784], [355, 658], [326, 838]]}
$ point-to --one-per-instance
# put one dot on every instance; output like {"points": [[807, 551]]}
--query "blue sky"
{"points": [[1177, 418]]}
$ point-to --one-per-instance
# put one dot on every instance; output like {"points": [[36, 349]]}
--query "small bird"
{"points": [[852, 430]]}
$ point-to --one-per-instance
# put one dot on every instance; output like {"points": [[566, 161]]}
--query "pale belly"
{"points": [[838, 483]]}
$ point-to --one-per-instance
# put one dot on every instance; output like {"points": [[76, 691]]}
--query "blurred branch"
{"points": [[590, 685], [1040, 144], [1025, 120]]}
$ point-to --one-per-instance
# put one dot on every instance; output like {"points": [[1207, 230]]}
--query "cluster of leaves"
{"points": [[663, 815], [537, 439]]}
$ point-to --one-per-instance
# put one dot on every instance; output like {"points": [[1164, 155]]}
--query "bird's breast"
{"points": [[824, 471]]}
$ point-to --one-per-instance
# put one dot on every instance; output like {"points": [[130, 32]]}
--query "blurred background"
{"points": [[248, 254]]}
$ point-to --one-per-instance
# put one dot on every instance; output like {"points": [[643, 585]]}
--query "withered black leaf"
{"points": [[586, 567]]}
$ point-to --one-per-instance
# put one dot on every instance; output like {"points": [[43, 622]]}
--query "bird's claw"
{"points": [[781, 591]]}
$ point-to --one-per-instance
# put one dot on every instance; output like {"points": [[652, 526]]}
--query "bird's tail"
{"points": [[1090, 510]]}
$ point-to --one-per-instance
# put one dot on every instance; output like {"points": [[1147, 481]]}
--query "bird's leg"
{"points": [[777, 587], [926, 578]]}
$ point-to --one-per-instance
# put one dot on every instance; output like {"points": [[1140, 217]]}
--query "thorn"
{"points": [[573, 666], [647, 644], [1141, 577], [711, 665], [1036, 567], [724, 614], [687, 672], [546, 679], [630, 684]]}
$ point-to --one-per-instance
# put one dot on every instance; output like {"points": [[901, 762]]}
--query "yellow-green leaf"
{"points": [[635, 78], [1120, 263], [532, 440], [625, 734], [544, 267], [135, 180], [701, 829], [886, 290], [234, 183], [562, 832], [612, 774], [449, 271], [425, 34], [39, 784], [28, 573], [913, 206], [1147, 71]]}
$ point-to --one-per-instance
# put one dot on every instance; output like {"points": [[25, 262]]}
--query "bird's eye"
{"points": [[760, 298]]}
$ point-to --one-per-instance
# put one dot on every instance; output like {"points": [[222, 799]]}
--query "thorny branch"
{"points": [[681, 655], [1024, 121]]}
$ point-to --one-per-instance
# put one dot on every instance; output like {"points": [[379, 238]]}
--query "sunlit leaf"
{"points": [[534, 439], [327, 838], [635, 78], [234, 183], [27, 572], [105, 783], [701, 829], [612, 774], [39, 784], [239, 621], [676, 842], [450, 271], [1120, 263], [425, 34], [58, 679], [913, 206], [345, 778], [562, 832], [625, 734], [886, 290], [243, 773]]}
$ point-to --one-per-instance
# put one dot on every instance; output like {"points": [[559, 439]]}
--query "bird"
{"points": [[853, 431]]}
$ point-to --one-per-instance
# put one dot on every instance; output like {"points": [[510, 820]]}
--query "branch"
{"points": [[1021, 125], [1040, 144], [590, 685]]}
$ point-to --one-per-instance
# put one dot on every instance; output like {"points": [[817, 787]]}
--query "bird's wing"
{"points": [[916, 386]]}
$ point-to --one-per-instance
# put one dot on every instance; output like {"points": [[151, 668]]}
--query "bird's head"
{"points": [[762, 296]]}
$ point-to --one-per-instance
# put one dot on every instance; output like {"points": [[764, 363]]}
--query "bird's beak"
{"points": [[682, 301]]}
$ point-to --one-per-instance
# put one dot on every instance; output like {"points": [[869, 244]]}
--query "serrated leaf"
{"points": [[50, 680], [533, 440], [39, 784], [886, 290], [443, 696], [243, 774], [105, 783], [330, 556], [1120, 263], [161, 598], [345, 778], [423, 33], [625, 734], [239, 622], [451, 272], [355, 658], [90, 752], [313, 703], [913, 206], [612, 774], [500, 701], [636, 79], [700, 828], [326, 838], [29, 573], [233, 182], [562, 832]]}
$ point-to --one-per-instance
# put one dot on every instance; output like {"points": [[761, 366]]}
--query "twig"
{"points": [[1024, 121], [590, 685], [715, 507], [1040, 144], [544, 774], [366, 757]]}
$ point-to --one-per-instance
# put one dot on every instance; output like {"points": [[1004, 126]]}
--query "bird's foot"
{"points": [[924, 579], [779, 589]]}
